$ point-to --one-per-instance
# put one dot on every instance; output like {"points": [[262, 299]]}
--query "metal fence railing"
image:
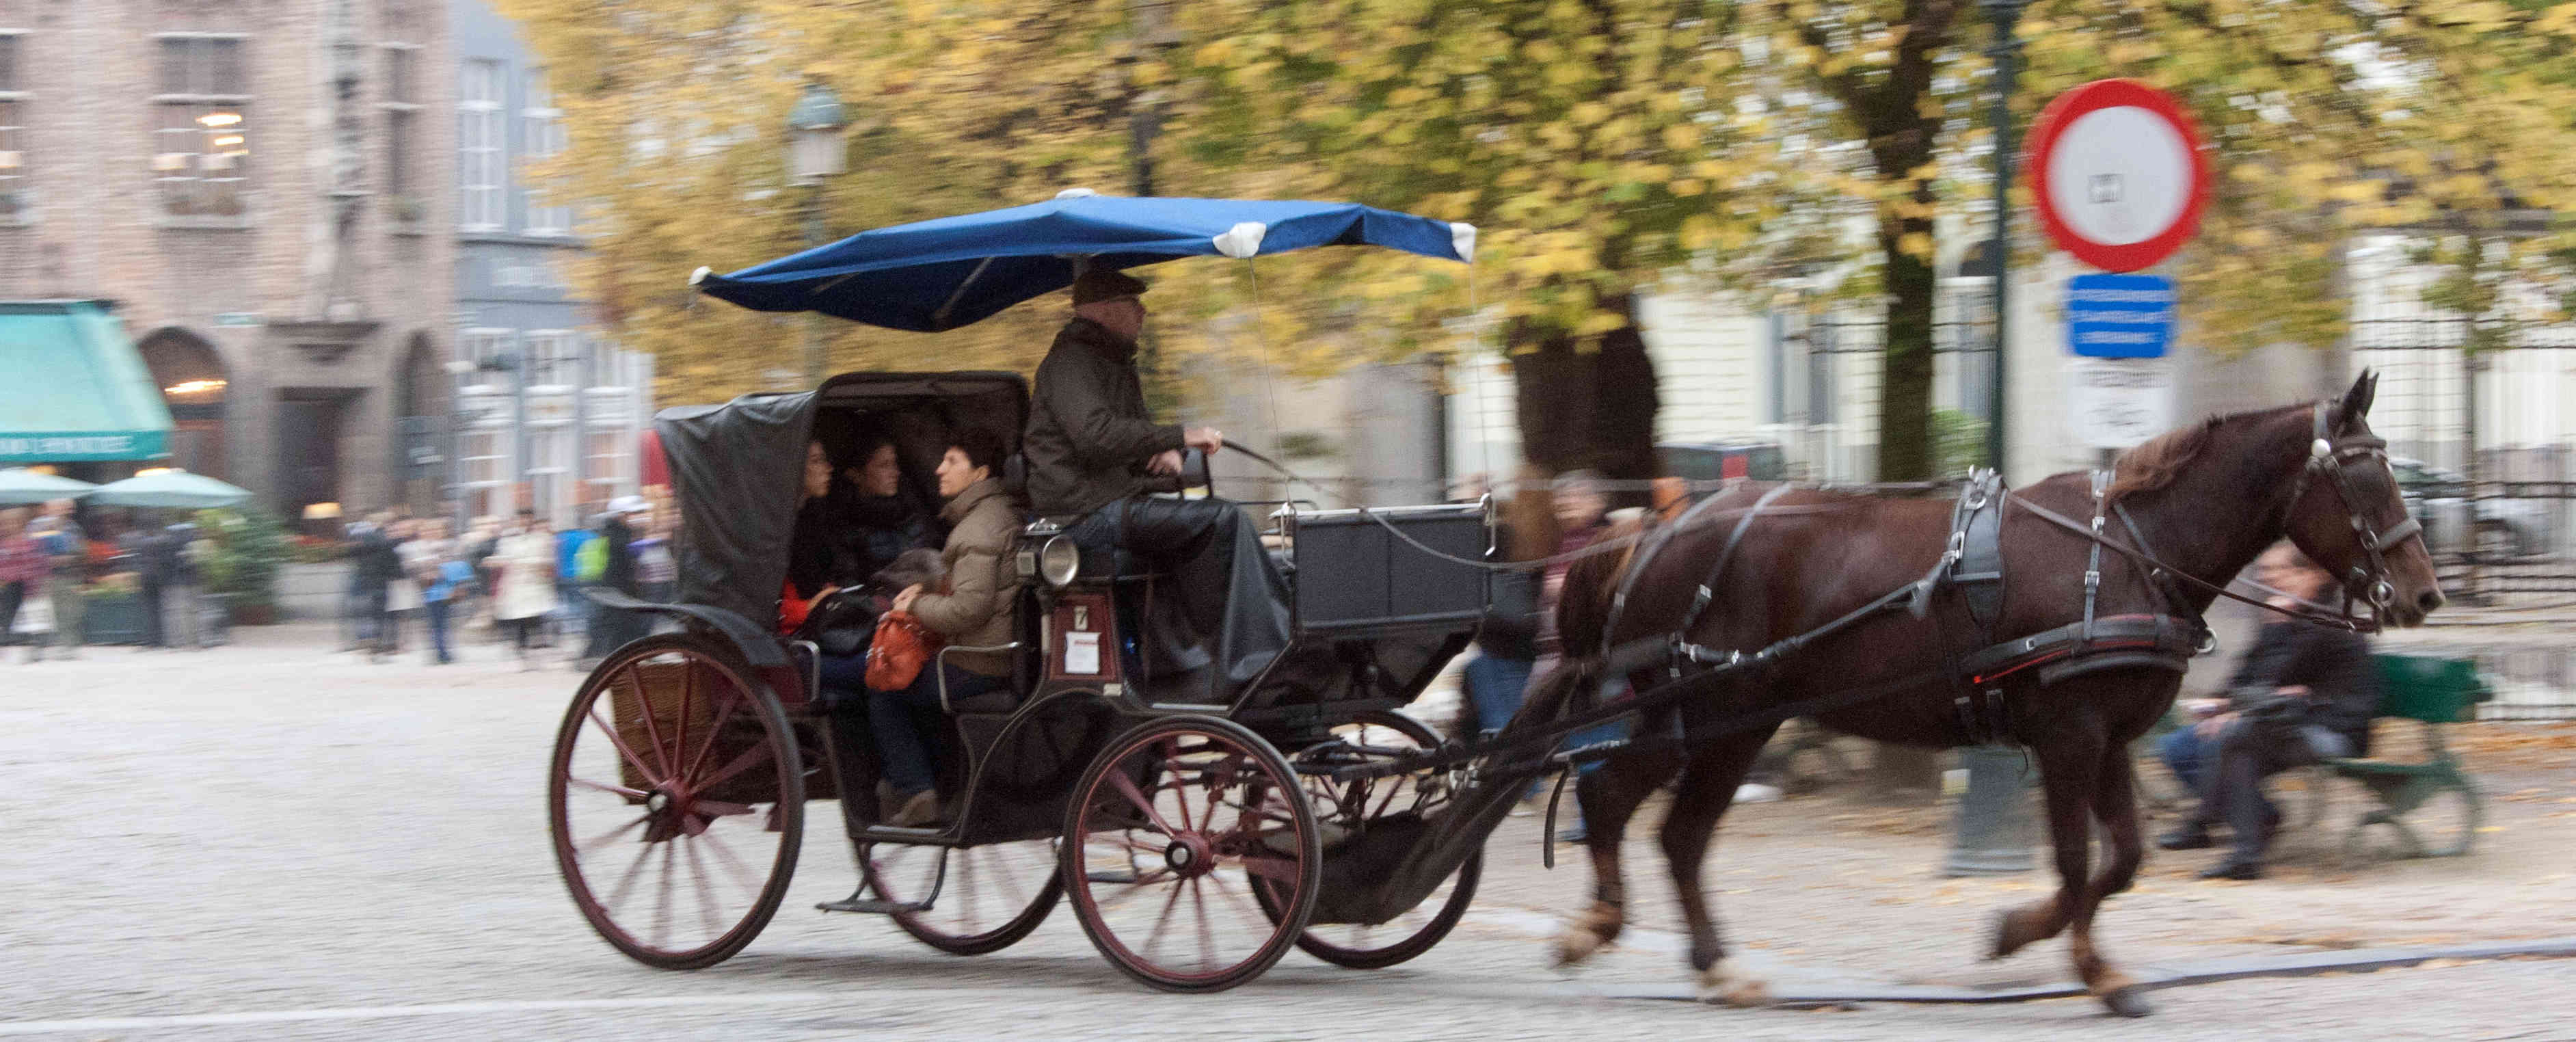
{"points": [[2486, 445]]}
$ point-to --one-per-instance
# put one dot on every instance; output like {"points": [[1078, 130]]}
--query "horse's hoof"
{"points": [[1720, 986], [1999, 941], [2127, 1001], [1574, 946]]}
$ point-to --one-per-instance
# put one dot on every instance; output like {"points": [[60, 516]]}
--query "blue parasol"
{"points": [[955, 271]]}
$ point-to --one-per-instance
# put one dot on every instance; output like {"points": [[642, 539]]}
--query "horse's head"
{"points": [[2347, 515]]}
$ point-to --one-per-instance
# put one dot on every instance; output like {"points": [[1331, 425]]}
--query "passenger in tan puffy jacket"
{"points": [[974, 610]]}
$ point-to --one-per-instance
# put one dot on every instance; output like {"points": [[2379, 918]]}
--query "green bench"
{"points": [[2429, 804]]}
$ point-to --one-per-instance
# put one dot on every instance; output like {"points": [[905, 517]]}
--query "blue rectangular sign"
{"points": [[2119, 316]]}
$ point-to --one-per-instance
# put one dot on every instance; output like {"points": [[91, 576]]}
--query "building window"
{"points": [[484, 452], [482, 348], [480, 148], [553, 357], [401, 106], [610, 450], [14, 203], [541, 134], [201, 135]]}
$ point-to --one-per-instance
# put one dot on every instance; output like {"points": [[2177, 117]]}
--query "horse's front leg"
{"points": [[1700, 800], [2115, 803]]}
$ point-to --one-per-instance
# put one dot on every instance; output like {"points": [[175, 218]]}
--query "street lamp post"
{"points": [[2006, 52], [816, 149], [1993, 833]]}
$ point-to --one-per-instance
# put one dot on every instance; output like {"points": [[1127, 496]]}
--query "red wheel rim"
{"points": [[1168, 838], [670, 831], [992, 895]]}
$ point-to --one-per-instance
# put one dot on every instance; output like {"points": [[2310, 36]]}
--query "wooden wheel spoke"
{"points": [[721, 809], [707, 907], [626, 880], [1207, 928], [652, 729], [613, 790], [680, 723], [662, 901], [1154, 937], [1126, 786], [742, 873], [715, 726], [619, 741], [1180, 795], [744, 762], [603, 839]]}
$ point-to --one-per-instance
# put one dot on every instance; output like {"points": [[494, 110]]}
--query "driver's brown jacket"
{"points": [[1089, 435]]}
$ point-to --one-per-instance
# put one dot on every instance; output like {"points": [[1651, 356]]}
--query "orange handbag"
{"points": [[901, 648]]}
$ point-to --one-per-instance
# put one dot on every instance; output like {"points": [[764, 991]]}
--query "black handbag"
{"points": [[841, 624]]}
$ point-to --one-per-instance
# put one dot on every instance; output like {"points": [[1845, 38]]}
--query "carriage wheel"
{"points": [[1166, 832], [993, 895], [1344, 808], [656, 827]]}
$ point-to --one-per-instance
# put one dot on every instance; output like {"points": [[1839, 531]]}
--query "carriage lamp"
{"points": [[1059, 560]]}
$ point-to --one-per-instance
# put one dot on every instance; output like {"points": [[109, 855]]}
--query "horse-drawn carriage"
{"points": [[1200, 840], [1191, 836]]}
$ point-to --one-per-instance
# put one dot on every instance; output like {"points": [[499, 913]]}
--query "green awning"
{"points": [[73, 388]]}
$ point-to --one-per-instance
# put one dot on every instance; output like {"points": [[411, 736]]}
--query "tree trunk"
{"points": [[1587, 409], [1905, 384]]}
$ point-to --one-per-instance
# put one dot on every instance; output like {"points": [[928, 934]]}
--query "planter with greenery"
{"points": [[246, 548]]}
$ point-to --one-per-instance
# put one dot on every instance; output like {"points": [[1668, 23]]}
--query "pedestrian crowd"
{"points": [[516, 579], [51, 564]]}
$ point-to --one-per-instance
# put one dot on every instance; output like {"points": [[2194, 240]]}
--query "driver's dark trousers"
{"points": [[1208, 555]]}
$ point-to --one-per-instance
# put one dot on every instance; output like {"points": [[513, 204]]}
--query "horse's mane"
{"points": [[2156, 462]]}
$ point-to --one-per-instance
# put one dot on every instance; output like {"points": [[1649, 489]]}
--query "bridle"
{"points": [[2334, 458]]}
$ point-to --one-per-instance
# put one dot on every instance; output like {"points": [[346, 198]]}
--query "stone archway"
{"points": [[196, 385]]}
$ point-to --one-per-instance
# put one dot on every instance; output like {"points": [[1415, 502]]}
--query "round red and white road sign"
{"points": [[2119, 174]]}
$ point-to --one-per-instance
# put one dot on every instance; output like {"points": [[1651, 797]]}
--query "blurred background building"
{"points": [[254, 187], [547, 409], [309, 216]]}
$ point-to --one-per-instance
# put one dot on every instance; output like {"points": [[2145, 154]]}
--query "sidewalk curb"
{"points": [[2172, 975]]}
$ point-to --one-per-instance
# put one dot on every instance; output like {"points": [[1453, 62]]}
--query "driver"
{"points": [[1090, 448]]}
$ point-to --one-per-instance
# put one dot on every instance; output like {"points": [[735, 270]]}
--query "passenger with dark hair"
{"points": [[884, 514], [973, 610]]}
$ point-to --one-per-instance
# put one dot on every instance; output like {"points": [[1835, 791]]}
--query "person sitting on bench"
{"points": [[2303, 693]]}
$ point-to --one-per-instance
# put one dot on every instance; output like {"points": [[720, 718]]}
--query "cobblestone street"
{"points": [[271, 840]]}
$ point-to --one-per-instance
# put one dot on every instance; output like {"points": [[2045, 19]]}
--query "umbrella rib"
{"points": [[940, 317]]}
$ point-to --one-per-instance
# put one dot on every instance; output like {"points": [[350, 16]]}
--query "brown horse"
{"points": [[2206, 500]]}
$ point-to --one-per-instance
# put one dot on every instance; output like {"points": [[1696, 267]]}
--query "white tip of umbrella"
{"points": [[700, 275], [1076, 193], [1462, 237], [1242, 240]]}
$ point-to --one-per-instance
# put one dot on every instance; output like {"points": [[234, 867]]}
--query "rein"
{"points": [[2308, 611], [1595, 549]]}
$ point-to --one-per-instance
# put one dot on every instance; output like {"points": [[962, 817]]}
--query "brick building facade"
{"points": [[265, 190]]}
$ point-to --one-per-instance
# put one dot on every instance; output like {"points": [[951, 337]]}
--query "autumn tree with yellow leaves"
{"points": [[1604, 147]]}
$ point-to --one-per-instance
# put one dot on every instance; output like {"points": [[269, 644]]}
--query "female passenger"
{"points": [[973, 611]]}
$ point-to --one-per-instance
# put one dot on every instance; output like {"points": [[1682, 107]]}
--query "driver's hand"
{"points": [[1205, 439], [1167, 461], [903, 601]]}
